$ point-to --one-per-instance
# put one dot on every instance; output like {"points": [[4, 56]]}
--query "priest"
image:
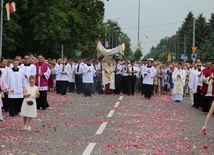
{"points": [[43, 74], [178, 78]]}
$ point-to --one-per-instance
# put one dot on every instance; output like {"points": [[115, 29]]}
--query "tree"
{"points": [[42, 26], [114, 36], [204, 40], [138, 54]]}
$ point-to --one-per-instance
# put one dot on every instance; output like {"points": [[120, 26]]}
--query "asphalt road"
{"points": [[109, 125]]}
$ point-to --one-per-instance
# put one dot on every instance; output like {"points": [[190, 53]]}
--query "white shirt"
{"points": [[80, 68]]}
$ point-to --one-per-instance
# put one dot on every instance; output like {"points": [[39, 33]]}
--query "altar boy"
{"points": [[148, 74], [88, 77], [16, 83]]}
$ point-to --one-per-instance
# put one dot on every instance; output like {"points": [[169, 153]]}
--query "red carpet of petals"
{"points": [[139, 126]]}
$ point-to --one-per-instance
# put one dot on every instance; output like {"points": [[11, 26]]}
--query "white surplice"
{"points": [[16, 83], [88, 76], [148, 78], [28, 71]]}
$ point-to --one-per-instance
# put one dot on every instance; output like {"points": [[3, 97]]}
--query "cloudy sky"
{"points": [[158, 18]]}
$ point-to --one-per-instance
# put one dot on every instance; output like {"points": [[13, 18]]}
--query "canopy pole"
{"points": [[95, 50]]}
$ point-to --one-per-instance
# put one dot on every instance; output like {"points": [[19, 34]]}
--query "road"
{"points": [[109, 125]]}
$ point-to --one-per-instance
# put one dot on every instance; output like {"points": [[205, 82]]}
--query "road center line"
{"points": [[89, 149], [117, 104], [111, 113], [101, 128], [121, 97]]}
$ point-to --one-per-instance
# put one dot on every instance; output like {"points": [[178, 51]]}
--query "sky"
{"points": [[158, 18]]}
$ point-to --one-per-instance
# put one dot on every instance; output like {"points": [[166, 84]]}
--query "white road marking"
{"points": [[102, 127], [89, 149], [121, 97], [117, 104], [111, 113]]}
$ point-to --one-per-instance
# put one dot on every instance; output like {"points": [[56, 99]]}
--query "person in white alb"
{"points": [[28, 69], [16, 83], [63, 71], [178, 77], [88, 77], [148, 74]]}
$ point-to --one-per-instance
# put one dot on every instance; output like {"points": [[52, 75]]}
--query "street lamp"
{"points": [[138, 33]]}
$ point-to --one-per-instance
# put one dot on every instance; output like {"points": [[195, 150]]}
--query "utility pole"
{"points": [[62, 52], [138, 33], [185, 45], [178, 45], [109, 42], [112, 40], [1, 27], [193, 40]]}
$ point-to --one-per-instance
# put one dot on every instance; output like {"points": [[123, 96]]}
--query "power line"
{"points": [[152, 25]]}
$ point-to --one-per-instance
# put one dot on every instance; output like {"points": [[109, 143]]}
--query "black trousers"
{"points": [[42, 100], [207, 103], [148, 89], [5, 102], [142, 88], [133, 80], [117, 89], [87, 89], [94, 86], [198, 100], [126, 85], [78, 81], [15, 105], [71, 86], [99, 84], [62, 87]]}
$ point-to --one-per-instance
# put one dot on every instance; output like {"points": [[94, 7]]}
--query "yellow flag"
{"points": [[169, 57]]}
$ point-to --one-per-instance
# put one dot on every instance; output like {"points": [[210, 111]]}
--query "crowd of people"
{"points": [[30, 78]]}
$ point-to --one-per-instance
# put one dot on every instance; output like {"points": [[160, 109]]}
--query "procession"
{"points": [[104, 77], [89, 76]]}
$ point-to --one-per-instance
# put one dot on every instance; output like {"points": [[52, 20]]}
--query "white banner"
{"points": [[107, 52]]}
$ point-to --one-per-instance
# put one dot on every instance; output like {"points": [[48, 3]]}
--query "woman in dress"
{"points": [[3, 87], [170, 82], [209, 115], [160, 75], [29, 108]]}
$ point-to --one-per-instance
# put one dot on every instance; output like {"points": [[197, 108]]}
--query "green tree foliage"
{"points": [[114, 36], [42, 26], [137, 54], [204, 40]]}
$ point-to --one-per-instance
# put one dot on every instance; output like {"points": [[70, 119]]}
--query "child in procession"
{"points": [[29, 107]]}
